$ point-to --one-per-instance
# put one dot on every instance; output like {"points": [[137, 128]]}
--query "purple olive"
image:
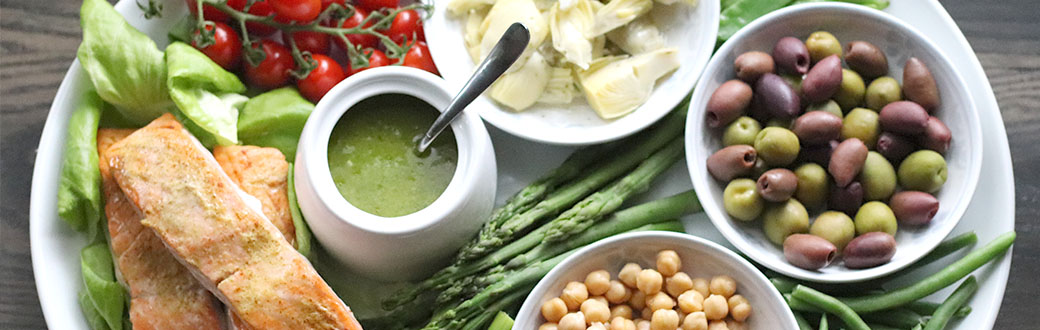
{"points": [[869, 250], [936, 136], [809, 251], [866, 59], [777, 185], [914, 207], [728, 102], [919, 84], [791, 56], [819, 154], [895, 147], [823, 80], [817, 127], [731, 162], [904, 117], [752, 65], [846, 199], [847, 161], [776, 97]]}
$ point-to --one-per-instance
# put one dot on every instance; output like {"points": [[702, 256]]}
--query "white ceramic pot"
{"points": [[404, 247]]}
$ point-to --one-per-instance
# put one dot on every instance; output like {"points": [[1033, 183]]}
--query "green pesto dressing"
{"points": [[373, 160]]}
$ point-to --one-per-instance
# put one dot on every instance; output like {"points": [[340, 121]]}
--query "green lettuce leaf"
{"points": [[303, 233], [205, 94], [79, 189], [105, 294], [94, 319], [275, 119], [126, 67]]}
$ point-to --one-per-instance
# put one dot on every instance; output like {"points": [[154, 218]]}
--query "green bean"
{"points": [[875, 326], [742, 12], [800, 305], [928, 308], [934, 282], [823, 322], [803, 324], [830, 305], [916, 327], [949, 307], [940, 251], [902, 318], [783, 284]]}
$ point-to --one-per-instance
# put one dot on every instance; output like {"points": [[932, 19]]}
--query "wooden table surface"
{"points": [[38, 41]]}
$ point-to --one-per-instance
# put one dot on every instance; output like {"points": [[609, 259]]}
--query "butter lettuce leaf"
{"points": [[205, 94], [79, 187], [125, 66], [303, 233], [275, 119], [104, 294]]}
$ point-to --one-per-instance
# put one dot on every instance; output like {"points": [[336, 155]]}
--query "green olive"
{"points": [[783, 219], [741, 131], [812, 185], [882, 91], [742, 200], [759, 168], [878, 177], [777, 122], [835, 227], [822, 44], [861, 123], [828, 106], [923, 170], [777, 146], [794, 81], [850, 94], [875, 216]]}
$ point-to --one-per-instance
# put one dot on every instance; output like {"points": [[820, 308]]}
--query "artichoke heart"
{"points": [[571, 29], [521, 88], [506, 12], [639, 36], [474, 34], [462, 7], [614, 87], [560, 89], [618, 13]]}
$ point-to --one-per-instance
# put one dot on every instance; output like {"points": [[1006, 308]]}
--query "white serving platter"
{"points": [[55, 247]]}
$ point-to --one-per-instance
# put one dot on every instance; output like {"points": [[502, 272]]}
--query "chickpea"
{"points": [[598, 282], [595, 311], [628, 274], [554, 309], [723, 285], [664, 319], [717, 325], [695, 321], [600, 299], [735, 325], [701, 285], [741, 312], [649, 281], [642, 325], [678, 283], [623, 311], [621, 323], [574, 294], [647, 313], [691, 301], [617, 293], [715, 307], [736, 300], [548, 326], [668, 262], [597, 326], [637, 300], [572, 321], [660, 300]]}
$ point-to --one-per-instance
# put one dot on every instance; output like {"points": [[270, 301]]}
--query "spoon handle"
{"points": [[502, 56]]}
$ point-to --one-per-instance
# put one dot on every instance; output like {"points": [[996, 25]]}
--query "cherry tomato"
{"points": [[327, 3], [226, 49], [209, 12], [419, 57], [273, 71], [376, 58], [358, 39], [371, 5], [301, 11], [310, 41], [260, 8], [407, 25], [320, 80]]}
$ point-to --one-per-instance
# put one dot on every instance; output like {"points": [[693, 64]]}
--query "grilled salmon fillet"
{"points": [[261, 173], [200, 215], [163, 293]]}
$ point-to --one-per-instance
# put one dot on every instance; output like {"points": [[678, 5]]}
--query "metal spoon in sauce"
{"points": [[502, 56]]}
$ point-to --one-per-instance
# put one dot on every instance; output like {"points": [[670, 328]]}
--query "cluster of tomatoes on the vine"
{"points": [[275, 70]]}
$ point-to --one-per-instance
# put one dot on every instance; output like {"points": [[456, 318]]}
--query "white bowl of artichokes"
{"points": [[594, 71]]}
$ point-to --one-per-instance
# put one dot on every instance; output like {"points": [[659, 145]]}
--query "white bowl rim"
{"points": [[691, 242], [467, 128], [730, 232], [500, 117]]}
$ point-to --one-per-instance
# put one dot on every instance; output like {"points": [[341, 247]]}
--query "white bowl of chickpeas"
{"points": [[654, 280]]}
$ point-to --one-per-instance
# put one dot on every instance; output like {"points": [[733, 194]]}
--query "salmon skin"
{"points": [[261, 173], [201, 216], [163, 293]]}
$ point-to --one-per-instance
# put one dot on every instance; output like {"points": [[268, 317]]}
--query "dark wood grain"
{"points": [[38, 41]]}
